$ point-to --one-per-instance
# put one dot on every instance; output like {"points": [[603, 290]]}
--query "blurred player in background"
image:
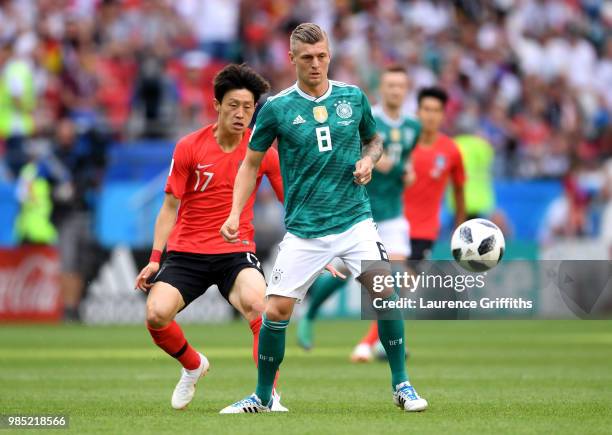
{"points": [[435, 160], [328, 147], [389, 177], [199, 187]]}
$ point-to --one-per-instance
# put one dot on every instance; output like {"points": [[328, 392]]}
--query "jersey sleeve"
{"points": [[457, 170], [180, 170], [399, 168], [271, 169], [265, 129], [367, 125]]}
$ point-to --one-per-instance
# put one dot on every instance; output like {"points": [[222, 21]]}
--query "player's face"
{"points": [[431, 114], [311, 62], [393, 88], [235, 111]]}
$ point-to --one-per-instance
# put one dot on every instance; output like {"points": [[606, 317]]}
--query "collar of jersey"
{"points": [[395, 123], [315, 99]]}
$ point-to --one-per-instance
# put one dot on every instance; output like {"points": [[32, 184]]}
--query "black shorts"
{"points": [[193, 274], [420, 249]]}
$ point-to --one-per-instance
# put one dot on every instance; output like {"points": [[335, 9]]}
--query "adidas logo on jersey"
{"points": [[298, 120]]}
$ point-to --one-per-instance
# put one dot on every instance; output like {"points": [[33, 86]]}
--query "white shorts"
{"points": [[395, 234], [300, 261]]}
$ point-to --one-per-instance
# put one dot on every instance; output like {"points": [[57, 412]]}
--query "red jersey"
{"points": [[433, 166], [202, 176]]}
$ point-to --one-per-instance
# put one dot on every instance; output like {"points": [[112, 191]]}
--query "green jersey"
{"points": [[319, 142], [399, 139]]}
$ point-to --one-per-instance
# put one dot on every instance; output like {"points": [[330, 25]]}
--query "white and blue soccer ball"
{"points": [[478, 245]]}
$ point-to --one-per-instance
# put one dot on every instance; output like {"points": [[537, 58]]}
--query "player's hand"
{"points": [[141, 280], [385, 164], [229, 230], [363, 170], [334, 272]]}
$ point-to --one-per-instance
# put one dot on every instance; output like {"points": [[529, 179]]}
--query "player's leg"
{"points": [[164, 301], [394, 234], [241, 281], [271, 352], [246, 294], [363, 243], [322, 289], [298, 264]]}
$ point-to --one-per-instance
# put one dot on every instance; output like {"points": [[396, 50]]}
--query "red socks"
{"points": [[171, 339], [255, 327], [372, 335]]}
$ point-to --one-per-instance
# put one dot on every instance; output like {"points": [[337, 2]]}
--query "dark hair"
{"points": [[236, 76], [395, 68], [433, 92]]}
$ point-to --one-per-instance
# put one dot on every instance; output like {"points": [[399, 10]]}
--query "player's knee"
{"points": [[253, 309], [279, 310], [157, 317]]}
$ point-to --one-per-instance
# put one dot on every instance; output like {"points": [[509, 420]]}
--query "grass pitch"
{"points": [[478, 376]]}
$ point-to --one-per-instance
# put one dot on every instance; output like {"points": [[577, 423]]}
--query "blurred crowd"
{"points": [[534, 77]]}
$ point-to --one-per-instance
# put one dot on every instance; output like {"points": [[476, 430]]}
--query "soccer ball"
{"points": [[478, 245]]}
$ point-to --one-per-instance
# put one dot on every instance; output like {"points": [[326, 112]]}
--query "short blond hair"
{"points": [[307, 33]]}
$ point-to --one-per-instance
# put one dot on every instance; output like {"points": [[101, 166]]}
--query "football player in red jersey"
{"points": [[436, 161], [198, 199]]}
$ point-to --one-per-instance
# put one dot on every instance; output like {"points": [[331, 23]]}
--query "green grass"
{"points": [[478, 376]]}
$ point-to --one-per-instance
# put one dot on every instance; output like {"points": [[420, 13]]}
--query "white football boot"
{"points": [[276, 405], [362, 353], [251, 404], [406, 397], [185, 389]]}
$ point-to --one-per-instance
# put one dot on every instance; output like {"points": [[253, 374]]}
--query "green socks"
{"points": [[391, 334], [320, 291], [271, 352]]}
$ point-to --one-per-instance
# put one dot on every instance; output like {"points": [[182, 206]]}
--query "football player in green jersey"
{"points": [[391, 174], [327, 146]]}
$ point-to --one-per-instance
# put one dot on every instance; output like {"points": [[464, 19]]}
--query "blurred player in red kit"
{"points": [[436, 159]]}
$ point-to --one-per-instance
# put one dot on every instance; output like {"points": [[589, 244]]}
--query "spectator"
{"points": [[33, 223], [17, 103], [82, 156], [504, 64], [215, 25]]}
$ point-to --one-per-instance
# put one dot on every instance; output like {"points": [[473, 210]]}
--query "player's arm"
{"points": [[371, 147], [180, 171], [246, 179], [262, 137], [163, 227], [372, 150], [458, 194], [458, 177], [272, 170], [409, 174], [165, 221]]}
